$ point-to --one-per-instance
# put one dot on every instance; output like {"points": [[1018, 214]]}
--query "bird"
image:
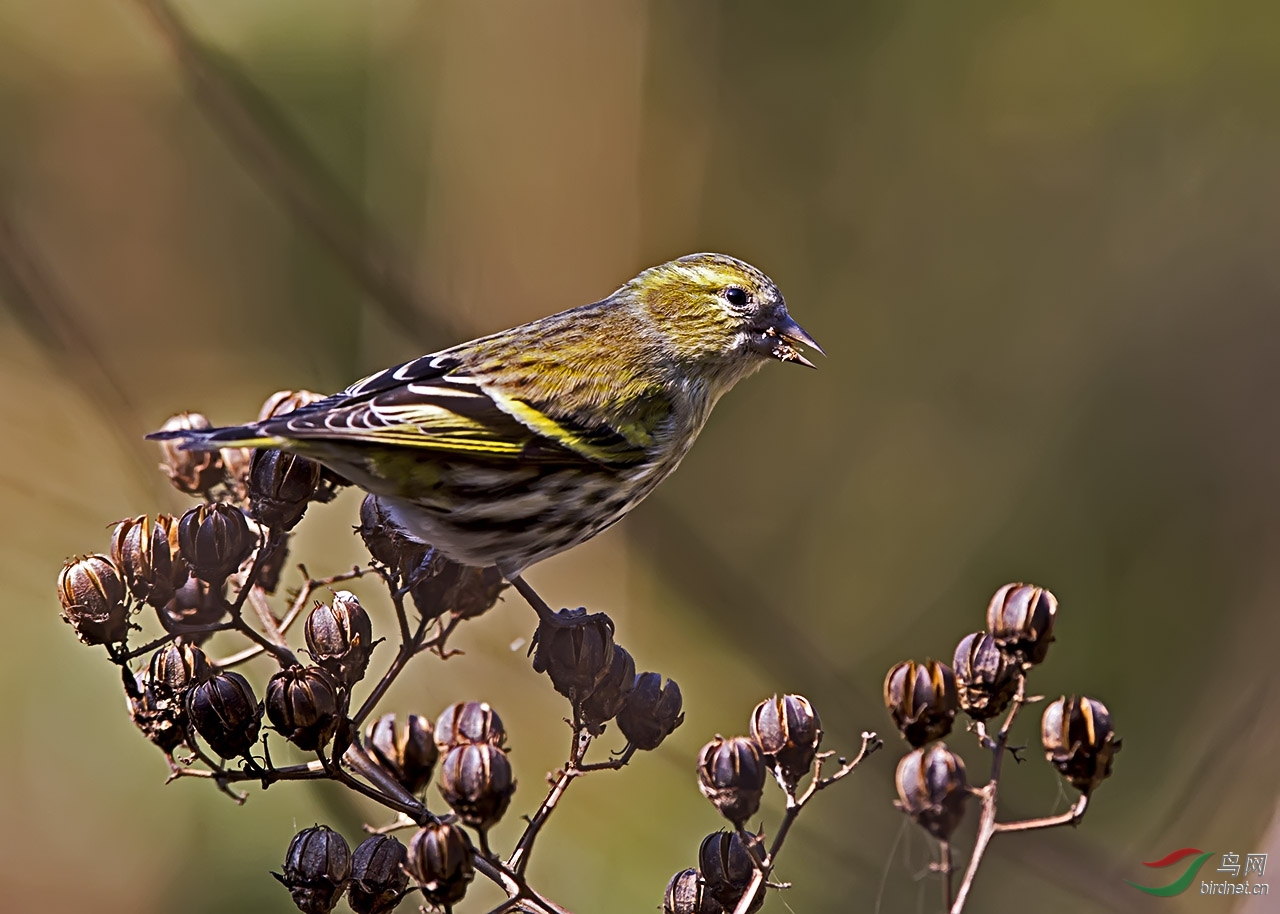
{"points": [[511, 448]]}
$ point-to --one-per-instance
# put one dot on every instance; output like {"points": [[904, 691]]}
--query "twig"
{"points": [[165, 639], [397, 800], [280, 651], [295, 609], [43, 305], [401, 822], [989, 794], [763, 868], [948, 896], [270, 624], [988, 827], [519, 893], [511, 904], [276, 156], [613, 764], [408, 648], [1070, 817], [519, 858], [303, 772], [398, 591], [574, 768]]}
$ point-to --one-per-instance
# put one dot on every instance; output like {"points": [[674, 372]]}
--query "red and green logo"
{"points": [[1180, 884]]}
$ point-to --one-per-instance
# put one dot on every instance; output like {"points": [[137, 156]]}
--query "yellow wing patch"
{"points": [[611, 445]]}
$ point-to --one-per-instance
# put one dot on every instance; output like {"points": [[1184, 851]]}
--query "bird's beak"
{"points": [[781, 339]]}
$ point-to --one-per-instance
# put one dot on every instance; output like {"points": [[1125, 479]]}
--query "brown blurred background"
{"points": [[1037, 239]]}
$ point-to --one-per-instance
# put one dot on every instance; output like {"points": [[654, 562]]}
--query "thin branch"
{"points": [[574, 768], [945, 867], [398, 801], [165, 639], [280, 651], [613, 764], [401, 822], [519, 858], [989, 794], [511, 904], [300, 602], [1070, 817], [277, 157], [406, 652], [45, 308], [391, 579], [270, 624], [988, 827], [763, 868], [304, 772]]}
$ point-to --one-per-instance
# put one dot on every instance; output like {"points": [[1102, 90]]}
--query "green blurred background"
{"points": [[1037, 239]]}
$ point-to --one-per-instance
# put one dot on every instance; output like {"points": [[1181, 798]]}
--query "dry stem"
{"points": [[763, 868], [988, 827]]}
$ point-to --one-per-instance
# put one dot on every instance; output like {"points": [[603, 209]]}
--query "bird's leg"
{"points": [[545, 612], [548, 616], [423, 570]]}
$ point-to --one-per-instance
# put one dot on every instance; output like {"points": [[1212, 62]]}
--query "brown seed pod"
{"points": [[92, 593]]}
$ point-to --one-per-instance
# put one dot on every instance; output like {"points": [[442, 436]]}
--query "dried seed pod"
{"points": [[161, 720], [225, 712], [731, 775], [286, 401], [476, 591], [788, 731], [434, 579], [932, 789], [280, 487], [340, 637], [725, 863], [195, 605], [440, 862], [386, 543], [469, 722], [575, 652], [1020, 618], [316, 868], [610, 696], [176, 668], [1079, 740], [92, 595], [304, 705], [986, 679], [191, 472], [407, 753], [215, 541], [149, 558], [476, 782], [378, 877], [921, 698], [235, 471], [274, 565], [688, 894], [651, 711]]}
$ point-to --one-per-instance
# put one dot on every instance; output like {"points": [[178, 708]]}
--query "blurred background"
{"points": [[1037, 239]]}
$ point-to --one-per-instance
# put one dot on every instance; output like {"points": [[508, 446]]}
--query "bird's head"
{"points": [[718, 312]]}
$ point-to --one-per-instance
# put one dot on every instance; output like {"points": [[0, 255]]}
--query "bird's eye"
{"points": [[736, 296]]}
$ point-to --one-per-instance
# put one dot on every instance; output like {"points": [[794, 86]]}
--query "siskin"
{"points": [[513, 447]]}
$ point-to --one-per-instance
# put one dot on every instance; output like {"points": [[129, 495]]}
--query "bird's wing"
{"points": [[436, 404]]}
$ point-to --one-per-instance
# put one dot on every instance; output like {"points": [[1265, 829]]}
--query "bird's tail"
{"points": [[213, 439]]}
